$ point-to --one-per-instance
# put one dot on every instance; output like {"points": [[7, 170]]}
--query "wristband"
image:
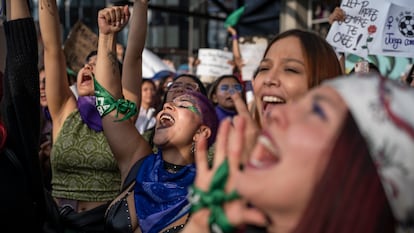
{"points": [[105, 103], [234, 37]]}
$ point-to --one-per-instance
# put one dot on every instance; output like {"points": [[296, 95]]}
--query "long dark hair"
{"points": [[349, 196]]}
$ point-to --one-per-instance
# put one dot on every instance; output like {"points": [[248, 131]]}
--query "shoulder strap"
{"points": [[132, 174]]}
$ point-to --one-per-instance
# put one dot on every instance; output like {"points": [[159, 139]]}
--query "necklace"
{"points": [[173, 168]]}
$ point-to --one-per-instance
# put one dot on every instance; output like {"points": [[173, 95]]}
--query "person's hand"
{"points": [[251, 130], [113, 19], [44, 150], [232, 31], [337, 15], [229, 145]]}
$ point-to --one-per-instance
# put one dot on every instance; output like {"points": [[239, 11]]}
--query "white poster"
{"points": [[214, 62], [252, 55], [398, 32], [362, 26]]}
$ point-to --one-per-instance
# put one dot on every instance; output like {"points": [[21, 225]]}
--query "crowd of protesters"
{"points": [[316, 150]]}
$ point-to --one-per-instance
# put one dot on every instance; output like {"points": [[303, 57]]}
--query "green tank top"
{"points": [[83, 167]]}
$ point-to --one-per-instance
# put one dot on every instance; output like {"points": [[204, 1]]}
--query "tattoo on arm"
{"points": [[114, 62]]}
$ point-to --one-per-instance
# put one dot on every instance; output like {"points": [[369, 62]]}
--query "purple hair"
{"points": [[208, 114]]}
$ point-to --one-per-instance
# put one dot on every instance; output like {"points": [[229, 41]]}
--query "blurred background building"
{"points": [[177, 28]]}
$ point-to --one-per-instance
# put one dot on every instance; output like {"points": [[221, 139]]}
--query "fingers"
{"points": [[115, 16], [201, 156], [231, 30], [127, 14], [221, 142], [337, 15], [45, 144], [254, 217], [235, 148], [240, 105]]}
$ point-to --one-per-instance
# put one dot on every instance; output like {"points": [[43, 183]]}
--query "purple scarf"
{"points": [[88, 112]]}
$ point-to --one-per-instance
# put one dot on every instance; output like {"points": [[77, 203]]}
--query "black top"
{"points": [[23, 204], [118, 218]]}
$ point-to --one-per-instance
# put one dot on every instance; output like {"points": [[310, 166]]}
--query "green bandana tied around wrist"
{"points": [[214, 200], [105, 103]]}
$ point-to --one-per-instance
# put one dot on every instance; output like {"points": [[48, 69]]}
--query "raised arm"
{"points": [[132, 66], [20, 109], [125, 141], [61, 100], [21, 86], [235, 48]]}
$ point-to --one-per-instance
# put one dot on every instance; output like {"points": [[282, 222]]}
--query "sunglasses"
{"points": [[226, 87]]}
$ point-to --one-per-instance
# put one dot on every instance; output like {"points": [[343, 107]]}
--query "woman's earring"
{"points": [[193, 149]]}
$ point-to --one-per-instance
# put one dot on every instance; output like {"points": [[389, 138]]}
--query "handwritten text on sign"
{"points": [[361, 23], [214, 62], [399, 30]]}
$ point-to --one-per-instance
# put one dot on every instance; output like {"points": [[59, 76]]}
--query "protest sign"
{"points": [[79, 43], [362, 25], [214, 62], [398, 32], [252, 55]]}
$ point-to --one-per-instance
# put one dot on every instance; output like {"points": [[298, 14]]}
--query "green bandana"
{"points": [[105, 103], [214, 200]]}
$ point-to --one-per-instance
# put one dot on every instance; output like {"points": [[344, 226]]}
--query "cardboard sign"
{"points": [[214, 62], [79, 43]]}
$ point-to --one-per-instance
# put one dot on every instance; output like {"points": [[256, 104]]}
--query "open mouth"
{"points": [[269, 154], [166, 121], [270, 101], [86, 78], [229, 99]]}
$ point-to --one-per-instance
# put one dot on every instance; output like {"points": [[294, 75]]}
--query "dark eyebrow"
{"points": [[286, 60], [265, 60]]}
